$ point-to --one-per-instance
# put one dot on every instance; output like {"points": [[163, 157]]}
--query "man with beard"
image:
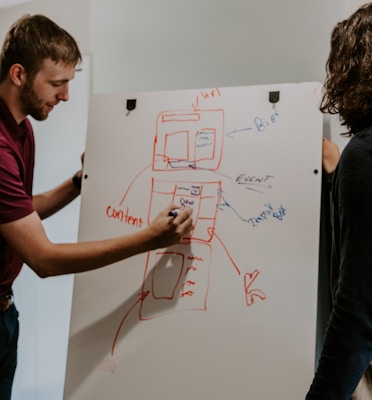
{"points": [[37, 62]]}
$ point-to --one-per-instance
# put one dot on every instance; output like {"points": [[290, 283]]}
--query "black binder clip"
{"points": [[131, 105], [274, 97]]}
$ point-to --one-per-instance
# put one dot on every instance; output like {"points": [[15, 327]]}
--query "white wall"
{"points": [[352, 5], [148, 45], [176, 44]]}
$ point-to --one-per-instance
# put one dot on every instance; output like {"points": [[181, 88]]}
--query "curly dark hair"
{"points": [[348, 84]]}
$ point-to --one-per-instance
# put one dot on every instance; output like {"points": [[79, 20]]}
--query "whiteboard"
{"points": [[218, 315]]}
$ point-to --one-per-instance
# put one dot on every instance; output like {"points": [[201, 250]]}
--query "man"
{"points": [[37, 61], [347, 352]]}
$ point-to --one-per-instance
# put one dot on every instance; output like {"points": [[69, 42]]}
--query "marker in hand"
{"points": [[173, 213]]}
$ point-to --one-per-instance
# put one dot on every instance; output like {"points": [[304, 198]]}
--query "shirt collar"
{"points": [[9, 121]]}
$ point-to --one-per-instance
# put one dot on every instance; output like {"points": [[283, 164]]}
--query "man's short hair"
{"points": [[31, 40]]}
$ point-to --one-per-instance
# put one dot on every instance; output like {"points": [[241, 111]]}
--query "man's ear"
{"points": [[17, 74]]}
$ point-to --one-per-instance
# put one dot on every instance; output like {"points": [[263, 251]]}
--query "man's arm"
{"points": [[29, 241], [48, 203]]}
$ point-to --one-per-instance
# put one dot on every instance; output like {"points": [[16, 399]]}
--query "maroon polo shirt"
{"points": [[17, 153]]}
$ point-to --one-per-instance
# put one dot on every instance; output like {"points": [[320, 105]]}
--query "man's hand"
{"points": [[166, 230]]}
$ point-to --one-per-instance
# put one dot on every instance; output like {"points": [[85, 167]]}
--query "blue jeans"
{"points": [[9, 329]]}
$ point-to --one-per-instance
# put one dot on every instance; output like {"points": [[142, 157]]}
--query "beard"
{"points": [[32, 104]]}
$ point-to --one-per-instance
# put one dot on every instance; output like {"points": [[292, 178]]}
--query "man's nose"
{"points": [[63, 95]]}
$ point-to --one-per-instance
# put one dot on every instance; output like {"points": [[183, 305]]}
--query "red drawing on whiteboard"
{"points": [[178, 278], [252, 293]]}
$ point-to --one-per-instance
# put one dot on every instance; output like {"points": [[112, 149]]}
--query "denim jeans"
{"points": [[9, 329]]}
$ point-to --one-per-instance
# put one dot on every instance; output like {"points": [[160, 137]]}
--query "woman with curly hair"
{"points": [[343, 371]]}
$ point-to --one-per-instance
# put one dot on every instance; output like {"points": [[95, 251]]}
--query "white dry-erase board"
{"points": [[231, 311]]}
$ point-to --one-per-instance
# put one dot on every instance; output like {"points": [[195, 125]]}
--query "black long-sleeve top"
{"points": [[347, 349]]}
